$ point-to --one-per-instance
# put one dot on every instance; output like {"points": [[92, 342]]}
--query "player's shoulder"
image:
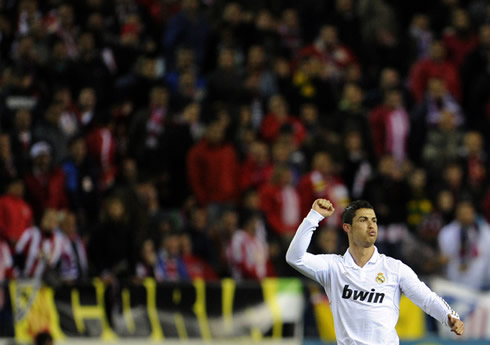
{"points": [[391, 262], [332, 258]]}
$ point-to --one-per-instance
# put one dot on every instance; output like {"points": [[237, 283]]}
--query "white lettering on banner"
{"points": [[473, 308], [17, 102]]}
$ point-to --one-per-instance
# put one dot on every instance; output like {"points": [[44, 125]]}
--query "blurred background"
{"points": [[157, 156]]}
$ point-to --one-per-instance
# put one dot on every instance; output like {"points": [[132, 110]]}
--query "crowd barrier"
{"points": [[271, 311]]}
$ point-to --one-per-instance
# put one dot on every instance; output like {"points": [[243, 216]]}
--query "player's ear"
{"points": [[346, 227]]}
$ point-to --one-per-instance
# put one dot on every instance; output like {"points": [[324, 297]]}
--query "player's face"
{"points": [[364, 228]]}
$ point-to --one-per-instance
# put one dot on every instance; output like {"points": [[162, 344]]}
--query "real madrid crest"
{"points": [[380, 278]]}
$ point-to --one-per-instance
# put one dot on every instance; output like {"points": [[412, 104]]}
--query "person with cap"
{"points": [[45, 182]]}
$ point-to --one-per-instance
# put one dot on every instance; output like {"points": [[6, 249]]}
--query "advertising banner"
{"points": [[270, 309]]}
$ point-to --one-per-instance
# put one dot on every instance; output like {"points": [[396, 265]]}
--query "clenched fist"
{"points": [[457, 326], [324, 207]]}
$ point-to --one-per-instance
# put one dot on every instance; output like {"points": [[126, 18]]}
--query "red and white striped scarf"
{"points": [[40, 251]]}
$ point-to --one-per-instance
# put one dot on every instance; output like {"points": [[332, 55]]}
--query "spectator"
{"points": [[77, 269], [101, 149], [21, 139], [68, 121], [188, 90], [475, 83], [62, 26], [459, 40], [45, 181], [285, 153], [257, 167], [29, 16], [453, 180], [147, 127], [474, 161], [352, 115], [26, 54], [290, 31], [357, 168], [422, 249], [264, 31], [389, 78], [327, 241], [195, 266], [335, 56], [225, 83], [90, 70], [20, 93], [212, 168], [443, 144], [86, 104], [260, 78], [130, 43], [81, 182], [427, 115], [6, 272], [346, 19], [41, 250], [465, 241], [248, 252], [184, 130], [136, 85], [15, 213], [323, 182], [279, 120], [434, 67], [318, 136], [203, 245], [419, 204], [386, 190], [147, 263], [390, 126], [382, 46], [221, 230], [126, 188], [420, 37], [188, 27], [59, 67], [185, 60], [308, 84], [170, 263], [8, 164], [281, 203], [111, 245], [49, 130]]}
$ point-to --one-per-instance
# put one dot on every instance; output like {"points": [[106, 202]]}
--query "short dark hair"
{"points": [[350, 210]]}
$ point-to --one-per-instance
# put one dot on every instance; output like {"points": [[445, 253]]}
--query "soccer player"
{"points": [[363, 286]]}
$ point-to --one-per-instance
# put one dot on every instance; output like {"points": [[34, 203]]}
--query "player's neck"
{"points": [[361, 255]]}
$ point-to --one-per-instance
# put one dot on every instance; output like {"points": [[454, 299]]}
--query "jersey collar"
{"points": [[349, 260]]}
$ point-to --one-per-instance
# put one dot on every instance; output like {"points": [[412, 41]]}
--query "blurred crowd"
{"points": [[184, 139]]}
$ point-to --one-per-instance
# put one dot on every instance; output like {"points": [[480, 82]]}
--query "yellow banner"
{"points": [[34, 311], [270, 309]]}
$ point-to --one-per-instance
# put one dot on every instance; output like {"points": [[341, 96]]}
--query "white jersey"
{"points": [[365, 301]]}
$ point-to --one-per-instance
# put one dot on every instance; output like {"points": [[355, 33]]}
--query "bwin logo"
{"points": [[371, 296]]}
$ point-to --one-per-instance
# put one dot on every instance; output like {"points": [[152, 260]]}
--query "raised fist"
{"points": [[324, 207]]}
